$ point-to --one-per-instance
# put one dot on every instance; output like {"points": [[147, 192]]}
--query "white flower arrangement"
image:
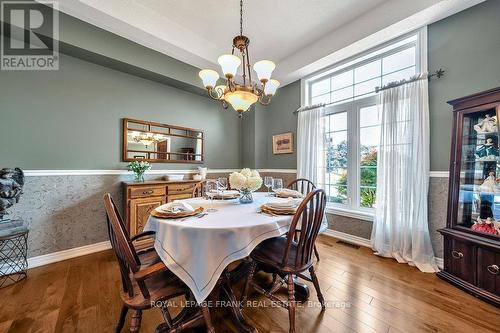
{"points": [[245, 180]]}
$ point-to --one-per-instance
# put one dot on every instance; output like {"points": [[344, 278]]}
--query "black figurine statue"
{"points": [[11, 188]]}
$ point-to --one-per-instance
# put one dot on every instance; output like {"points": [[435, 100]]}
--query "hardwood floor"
{"points": [[365, 293]]}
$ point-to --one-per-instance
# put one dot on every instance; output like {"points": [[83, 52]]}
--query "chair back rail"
{"points": [[198, 190], [122, 246], [310, 214], [302, 185]]}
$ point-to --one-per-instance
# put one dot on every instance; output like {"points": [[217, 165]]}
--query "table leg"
{"points": [[235, 310]]}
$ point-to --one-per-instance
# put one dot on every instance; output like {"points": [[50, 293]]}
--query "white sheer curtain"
{"points": [[310, 148], [310, 143], [400, 229]]}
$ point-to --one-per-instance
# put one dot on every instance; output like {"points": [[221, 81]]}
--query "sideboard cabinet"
{"points": [[472, 233], [141, 198]]}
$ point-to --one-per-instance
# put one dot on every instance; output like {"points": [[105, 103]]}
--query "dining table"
{"points": [[198, 249]]}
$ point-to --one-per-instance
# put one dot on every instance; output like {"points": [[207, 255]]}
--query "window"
{"points": [[352, 121]]}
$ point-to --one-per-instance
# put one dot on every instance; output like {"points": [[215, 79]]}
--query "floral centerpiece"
{"points": [[139, 168], [246, 181]]}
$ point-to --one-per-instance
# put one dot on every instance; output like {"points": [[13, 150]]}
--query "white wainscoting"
{"points": [[88, 249]]}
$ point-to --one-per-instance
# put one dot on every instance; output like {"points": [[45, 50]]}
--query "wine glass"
{"points": [[211, 188], [222, 185], [277, 184], [268, 182]]}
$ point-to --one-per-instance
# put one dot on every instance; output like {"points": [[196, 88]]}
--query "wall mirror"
{"points": [[161, 143]]}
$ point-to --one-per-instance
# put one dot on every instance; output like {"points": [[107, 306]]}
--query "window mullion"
{"points": [[355, 157]]}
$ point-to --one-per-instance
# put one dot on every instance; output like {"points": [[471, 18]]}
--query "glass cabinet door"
{"points": [[479, 191]]}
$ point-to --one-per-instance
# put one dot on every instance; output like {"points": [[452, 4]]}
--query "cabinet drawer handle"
{"points": [[493, 269], [457, 255], [148, 192]]}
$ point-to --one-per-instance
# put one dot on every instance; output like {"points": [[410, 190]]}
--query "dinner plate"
{"points": [[226, 197], [278, 211], [288, 195], [169, 215]]}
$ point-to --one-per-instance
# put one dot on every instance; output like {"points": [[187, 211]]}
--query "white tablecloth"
{"points": [[197, 250]]}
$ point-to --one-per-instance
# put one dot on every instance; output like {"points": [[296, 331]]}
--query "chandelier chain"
{"points": [[241, 17]]}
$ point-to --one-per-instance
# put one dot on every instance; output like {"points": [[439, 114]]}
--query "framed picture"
{"points": [[283, 143]]}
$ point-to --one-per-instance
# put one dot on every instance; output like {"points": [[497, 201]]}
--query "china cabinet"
{"points": [[472, 233]]}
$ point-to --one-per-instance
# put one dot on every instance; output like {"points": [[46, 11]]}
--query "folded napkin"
{"points": [[176, 206], [286, 192], [226, 193], [289, 204]]}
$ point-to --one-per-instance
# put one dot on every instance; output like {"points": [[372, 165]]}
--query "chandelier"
{"points": [[240, 96], [147, 138]]}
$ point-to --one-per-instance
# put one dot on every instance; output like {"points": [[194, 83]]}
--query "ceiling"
{"points": [[296, 34], [276, 29]]}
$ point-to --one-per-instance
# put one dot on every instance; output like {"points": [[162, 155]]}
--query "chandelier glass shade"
{"points": [[241, 96], [147, 139]]}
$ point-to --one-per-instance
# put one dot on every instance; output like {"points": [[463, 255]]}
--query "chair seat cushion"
{"points": [[272, 251]]}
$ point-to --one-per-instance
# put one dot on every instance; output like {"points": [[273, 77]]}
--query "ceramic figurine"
{"points": [[486, 125], [487, 151], [489, 184], [11, 188], [485, 225]]}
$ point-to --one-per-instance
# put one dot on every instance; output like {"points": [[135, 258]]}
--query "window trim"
{"points": [[420, 61], [352, 110], [353, 209]]}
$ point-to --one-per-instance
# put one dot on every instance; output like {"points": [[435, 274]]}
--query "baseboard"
{"points": [[102, 246], [348, 238], [440, 263], [67, 254], [364, 242]]}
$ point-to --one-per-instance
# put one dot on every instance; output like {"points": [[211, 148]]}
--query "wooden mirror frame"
{"points": [[125, 149]]}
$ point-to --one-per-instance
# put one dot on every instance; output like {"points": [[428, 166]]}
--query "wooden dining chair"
{"points": [[304, 186], [146, 281], [198, 190], [287, 257]]}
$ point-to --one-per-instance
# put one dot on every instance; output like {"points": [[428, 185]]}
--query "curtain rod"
{"points": [[438, 74]]}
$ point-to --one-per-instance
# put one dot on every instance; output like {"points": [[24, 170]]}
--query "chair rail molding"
{"points": [[39, 173]]}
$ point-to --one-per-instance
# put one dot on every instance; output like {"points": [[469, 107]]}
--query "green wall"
{"points": [[71, 118], [466, 45], [276, 118]]}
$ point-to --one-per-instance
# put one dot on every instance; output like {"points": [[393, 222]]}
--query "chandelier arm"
{"points": [[231, 85], [214, 94], [244, 74], [265, 99], [248, 65]]}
